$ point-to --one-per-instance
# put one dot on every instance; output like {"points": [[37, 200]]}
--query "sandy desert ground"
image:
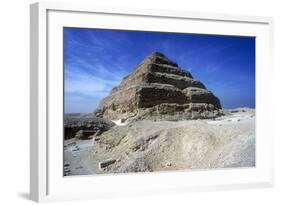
{"points": [[225, 142]]}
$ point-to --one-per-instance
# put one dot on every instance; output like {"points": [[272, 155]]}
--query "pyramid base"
{"points": [[167, 111]]}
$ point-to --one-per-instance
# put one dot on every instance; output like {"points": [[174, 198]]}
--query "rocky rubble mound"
{"points": [[194, 144], [159, 89]]}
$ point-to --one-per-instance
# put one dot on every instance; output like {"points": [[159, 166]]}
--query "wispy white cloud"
{"points": [[89, 69], [85, 89], [81, 82], [76, 103]]}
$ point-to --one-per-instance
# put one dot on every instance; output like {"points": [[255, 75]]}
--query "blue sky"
{"points": [[96, 60]]}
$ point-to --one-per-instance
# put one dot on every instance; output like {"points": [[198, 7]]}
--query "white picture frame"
{"points": [[46, 177]]}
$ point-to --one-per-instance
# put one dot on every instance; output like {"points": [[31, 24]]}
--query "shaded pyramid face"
{"points": [[159, 89]]}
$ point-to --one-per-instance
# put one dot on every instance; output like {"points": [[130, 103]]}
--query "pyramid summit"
{"points": [[159, 89]]}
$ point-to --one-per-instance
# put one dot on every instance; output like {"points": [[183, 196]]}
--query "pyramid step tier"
{"points": [[152, 94], [178, 81]]}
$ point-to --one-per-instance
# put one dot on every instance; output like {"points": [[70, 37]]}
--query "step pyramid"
{"points": [[159, 89]]}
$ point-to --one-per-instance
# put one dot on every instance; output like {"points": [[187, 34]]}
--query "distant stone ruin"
{"points": [[159, 89]]}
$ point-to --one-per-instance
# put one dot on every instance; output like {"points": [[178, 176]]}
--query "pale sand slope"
{"points": [[228, 141]]}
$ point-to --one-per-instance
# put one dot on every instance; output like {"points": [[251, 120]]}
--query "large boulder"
{"points": [[157, 87]]}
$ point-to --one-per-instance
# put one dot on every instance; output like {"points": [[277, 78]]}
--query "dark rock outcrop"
{"points": [[159, 89], [84, 127]]}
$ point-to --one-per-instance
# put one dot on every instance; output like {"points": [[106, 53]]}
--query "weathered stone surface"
{"points": [[199, 95], [178, 81], [158, 86], [151, 94], [159, 58]]}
